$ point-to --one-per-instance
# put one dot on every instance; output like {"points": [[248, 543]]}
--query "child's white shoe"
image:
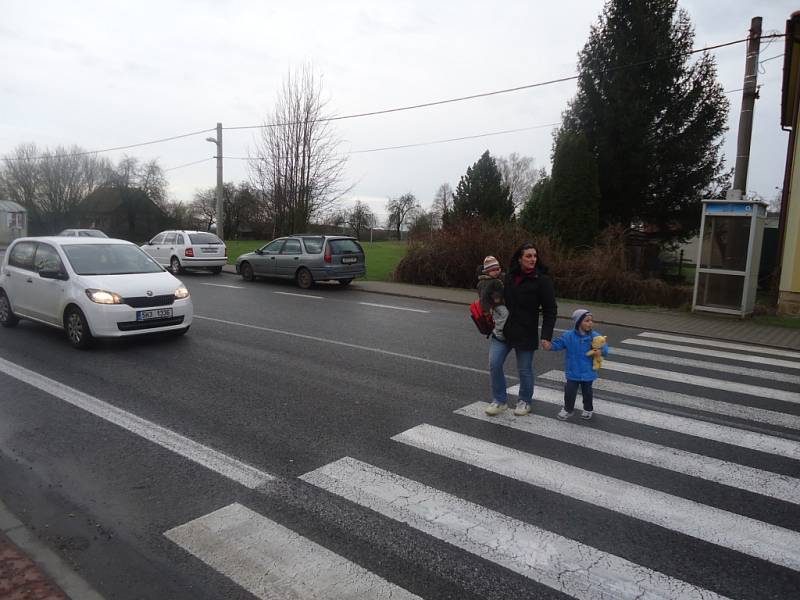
{"points": [[564, 415], [587, 414]]}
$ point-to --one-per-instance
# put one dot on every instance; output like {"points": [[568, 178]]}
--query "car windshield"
{"points": [[204, 238], [109, 259]]}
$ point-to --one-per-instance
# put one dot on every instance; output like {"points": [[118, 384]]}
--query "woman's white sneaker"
{"points": [[564, 415], [495, 408], [587, 414], [523, 408]]}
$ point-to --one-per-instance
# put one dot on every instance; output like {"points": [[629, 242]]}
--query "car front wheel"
{"points": [[175, 265], [7, 316], [304, 278], [77, 328], [247, 272]]}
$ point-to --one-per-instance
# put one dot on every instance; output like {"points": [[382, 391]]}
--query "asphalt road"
{"points": [[284, 382]]}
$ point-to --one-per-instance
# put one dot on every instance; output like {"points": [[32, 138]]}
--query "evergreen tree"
{"points": [[535, 215], [653, 115], [481, 193], [575, 195]]}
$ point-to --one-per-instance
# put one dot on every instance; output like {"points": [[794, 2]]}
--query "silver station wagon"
{"points": [[306, 259]]}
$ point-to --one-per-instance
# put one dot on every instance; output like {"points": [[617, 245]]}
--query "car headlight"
{"points": [[103, 297], [181, 293]]}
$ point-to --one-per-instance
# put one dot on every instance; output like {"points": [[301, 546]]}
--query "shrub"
{"points": [[452, 256]]}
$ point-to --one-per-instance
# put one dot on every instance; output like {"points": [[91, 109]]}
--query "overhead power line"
{"points": [[410, 107], [189, 164]]}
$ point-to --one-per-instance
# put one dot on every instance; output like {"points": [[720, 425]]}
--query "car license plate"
{"points": [[209, 250], [349, 259], [156, 313]]}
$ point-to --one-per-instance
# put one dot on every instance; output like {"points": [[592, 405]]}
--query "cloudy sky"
{"points": [[104, 74]]}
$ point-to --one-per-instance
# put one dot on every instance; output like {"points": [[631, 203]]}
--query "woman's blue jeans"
{"points": [[498, 351]]}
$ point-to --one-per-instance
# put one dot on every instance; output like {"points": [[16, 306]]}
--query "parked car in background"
{"points": [[306, 259], [182, 249], [90, 287], [82, 233]]}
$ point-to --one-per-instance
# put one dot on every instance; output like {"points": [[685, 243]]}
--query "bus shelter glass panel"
{"points": [[716, 290], [725, 242]]}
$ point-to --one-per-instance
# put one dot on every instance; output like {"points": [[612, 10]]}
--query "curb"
{"points": [[43, 569]]}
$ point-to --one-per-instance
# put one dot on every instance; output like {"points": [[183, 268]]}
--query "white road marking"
{"points": [[300, 295], [394, 307], [660, 420], [737, 532], [233, 287], [730, 409], [709, 382], [713, 469], [575, 569], [218, 462], [711, 366], [303, 336], [739, 356], [271, 561], [748, 348]]}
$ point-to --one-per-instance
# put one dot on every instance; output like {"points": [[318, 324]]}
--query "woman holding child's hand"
{"points": [[528, 290]]}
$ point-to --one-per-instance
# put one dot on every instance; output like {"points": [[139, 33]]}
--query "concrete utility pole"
{"points": [[220, 213], [749, 95]]}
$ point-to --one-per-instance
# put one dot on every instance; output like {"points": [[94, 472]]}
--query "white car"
{"points": [[182, 249], [90, 287]]}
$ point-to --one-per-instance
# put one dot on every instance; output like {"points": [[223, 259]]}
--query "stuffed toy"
{"points": [[597, 343]]}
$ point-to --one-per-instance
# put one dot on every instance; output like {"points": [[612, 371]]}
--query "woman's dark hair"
{"points": [[514, 266]]}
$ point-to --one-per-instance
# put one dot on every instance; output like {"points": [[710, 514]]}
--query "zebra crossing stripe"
{"points": [[713, 469], [738, 356], [749, 413], [562, 564], [271, 561], [737, 532], [699, 380], [751, 440], [719, 344], [702, 364]]}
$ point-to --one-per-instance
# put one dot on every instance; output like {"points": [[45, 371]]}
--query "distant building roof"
{"points": [[9, 206]]}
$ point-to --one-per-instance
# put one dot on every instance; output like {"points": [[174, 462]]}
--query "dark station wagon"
{"points": [[306, 259]]}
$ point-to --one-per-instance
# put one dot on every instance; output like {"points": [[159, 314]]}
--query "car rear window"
{"points": [[344, 246], [313, 244], [109, 259], [204, 238]]}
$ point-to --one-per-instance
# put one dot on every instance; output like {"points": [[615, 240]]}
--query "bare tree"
{"points": [[520, 175], [442, 205], [296, 163], [204, 207], [400, 209], [359, 218], [130, 172], [20, 176]]}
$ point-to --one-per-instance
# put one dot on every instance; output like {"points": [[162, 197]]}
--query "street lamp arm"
{"points": [[212, 140]]}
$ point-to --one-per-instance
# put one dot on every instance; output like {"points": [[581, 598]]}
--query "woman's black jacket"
{"points": [[523, 301]]}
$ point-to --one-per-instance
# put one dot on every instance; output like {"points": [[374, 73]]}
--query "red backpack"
{"points": [[483, 320]]}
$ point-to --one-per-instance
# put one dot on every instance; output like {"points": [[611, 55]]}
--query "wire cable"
{"points": [[189, 164], [402, 108]]}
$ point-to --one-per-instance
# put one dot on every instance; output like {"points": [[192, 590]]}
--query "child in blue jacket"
{"points": [[579, 372]]}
